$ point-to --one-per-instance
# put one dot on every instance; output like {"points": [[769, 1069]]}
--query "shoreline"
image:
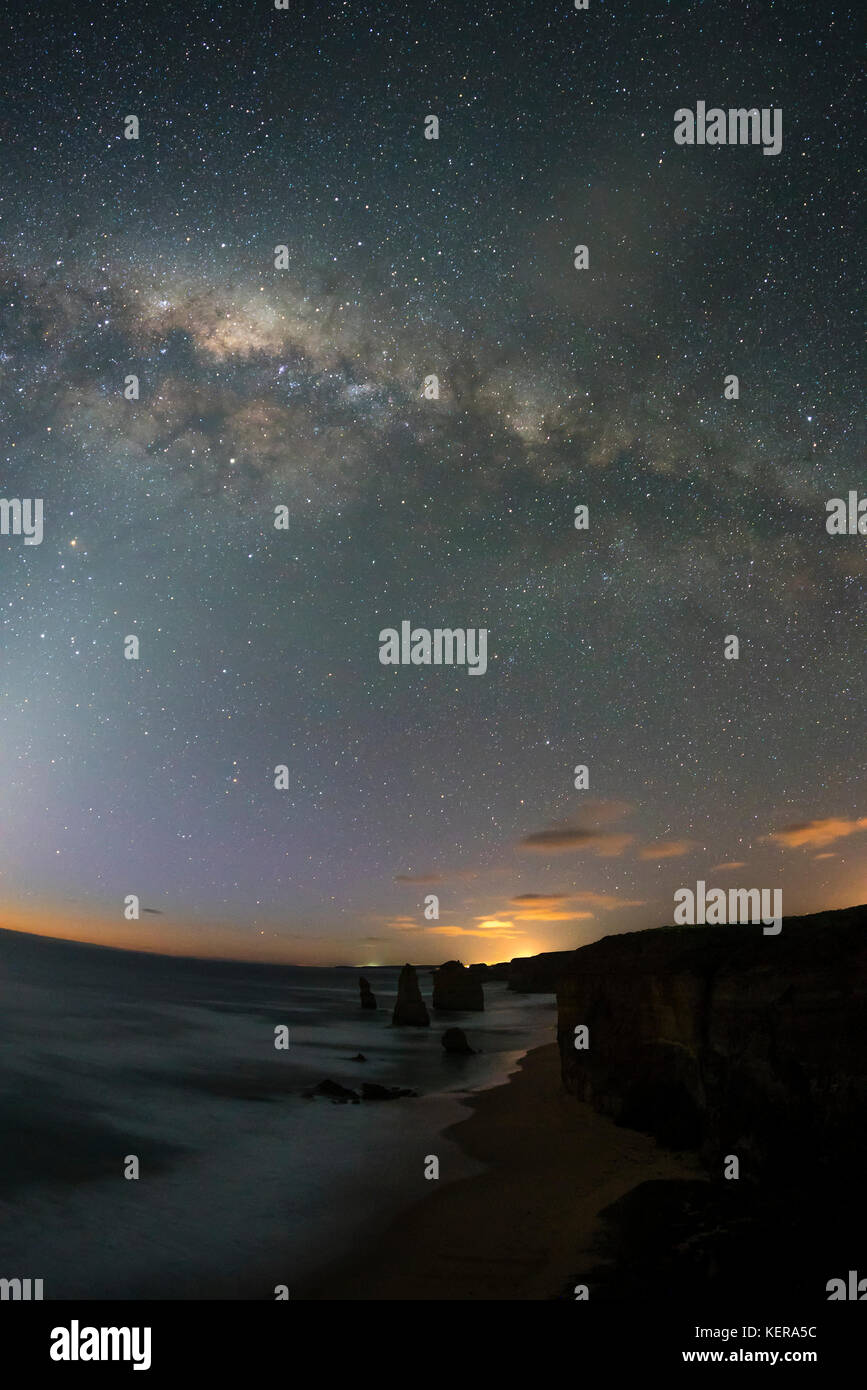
{"points": [[525, 1225]]}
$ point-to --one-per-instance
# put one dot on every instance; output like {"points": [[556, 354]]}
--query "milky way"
{"points": [[303, 388]]}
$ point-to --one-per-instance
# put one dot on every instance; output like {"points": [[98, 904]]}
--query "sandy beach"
{"points": [[528, 1224]]}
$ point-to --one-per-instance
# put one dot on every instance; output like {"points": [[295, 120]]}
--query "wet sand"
{"points": [[526, 1226]]}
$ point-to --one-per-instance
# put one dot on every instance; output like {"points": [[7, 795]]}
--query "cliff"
{"points": [[539, 974], [727, 1041]]}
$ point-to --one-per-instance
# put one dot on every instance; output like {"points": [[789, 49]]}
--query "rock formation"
{"points": [[539, 974], [334, 1091], [728, 1041], [501, 971], [741, 1046], [368, 998], [455, 987], [410, 1007], [455, 1040], [371, 1090]]}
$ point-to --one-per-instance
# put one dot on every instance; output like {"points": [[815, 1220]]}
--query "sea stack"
{"points": [[455, 987], [410, 1007], [368, 998]]}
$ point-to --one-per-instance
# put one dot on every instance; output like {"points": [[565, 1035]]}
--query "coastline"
{"points": [[527, 1224]]}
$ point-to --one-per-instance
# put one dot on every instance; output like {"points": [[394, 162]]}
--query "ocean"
{"points": [[106, 1056]]}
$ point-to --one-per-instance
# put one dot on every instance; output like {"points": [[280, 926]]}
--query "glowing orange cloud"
{"points": [[541, 914], [817, 833], [605, 902], [666, 849], [487, 927]]}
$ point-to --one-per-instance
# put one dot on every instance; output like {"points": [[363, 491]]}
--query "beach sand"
{"points": [[526, 1226]]}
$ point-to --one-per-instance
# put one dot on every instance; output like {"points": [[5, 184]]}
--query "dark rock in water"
{"points": [[359, 1057], [455, 988], [501, 971], [370, 1090], [455, 1040], [368, 998], [410, 1007], [334, 1091]]}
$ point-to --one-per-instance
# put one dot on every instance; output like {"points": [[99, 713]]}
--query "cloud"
{"points": [[155, 911], [561, 838], [827, 855], [540, 898], [418, 878], [606, 901], [487, 927], [605, 812], [666, 849], [542, 914], [730, 864], [817, 833], [404, 924], [563, 907]]}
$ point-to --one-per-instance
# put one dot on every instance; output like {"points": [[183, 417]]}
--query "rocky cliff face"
{"points": [[539, 974], [501, 971], [455, 987], [728, 1041]]}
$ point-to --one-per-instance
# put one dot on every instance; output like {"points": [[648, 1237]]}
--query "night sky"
{"points": [[303, 388]]}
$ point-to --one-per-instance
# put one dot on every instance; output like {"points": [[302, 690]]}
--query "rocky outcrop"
{"points": [[455, 1040], [728, 1041], [455, 988], [334, 1091], [539, 974], [501, 971], [371, 1090], [410, 1007], [368, 998]]}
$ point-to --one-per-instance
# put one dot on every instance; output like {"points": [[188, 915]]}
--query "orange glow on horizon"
{"points": [[214, 940]]}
